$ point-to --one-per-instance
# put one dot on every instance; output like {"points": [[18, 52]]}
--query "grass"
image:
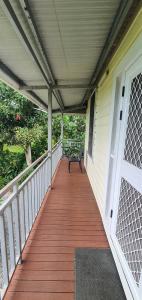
{"points": [[13, 148]]}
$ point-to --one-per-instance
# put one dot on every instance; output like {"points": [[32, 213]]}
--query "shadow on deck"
{"points": [[69, 218]]}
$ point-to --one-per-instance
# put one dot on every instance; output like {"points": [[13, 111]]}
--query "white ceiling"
{"points": [[73, 33]]}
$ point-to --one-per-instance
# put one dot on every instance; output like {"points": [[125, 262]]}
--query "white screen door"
{"points": [[126, 228]]}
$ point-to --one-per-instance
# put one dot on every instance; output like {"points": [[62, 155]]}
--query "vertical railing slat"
{"points": [[38, 183], [33, 197], [35, 193], [4, 256], [16, 215], [26, 209], [29, 198], [11, 237], [45, 177], [40, 179], [22, 218]]}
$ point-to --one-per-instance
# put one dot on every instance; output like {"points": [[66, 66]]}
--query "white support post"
{"points": [[50, 133]]}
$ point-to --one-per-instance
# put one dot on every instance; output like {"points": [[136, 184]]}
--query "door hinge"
{"points": [[123, 91], [121, 113], [111, 213]]}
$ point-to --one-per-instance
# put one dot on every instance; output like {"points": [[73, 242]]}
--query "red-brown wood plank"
{"points": [[43, 286], [39, 296], [47, 265], [69, 218]]}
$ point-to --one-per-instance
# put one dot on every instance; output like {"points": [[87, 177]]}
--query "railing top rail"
{"points": [[24, 172], [74, 141]]}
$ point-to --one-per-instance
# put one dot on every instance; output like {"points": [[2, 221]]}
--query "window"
{"points": [[91, 123]]}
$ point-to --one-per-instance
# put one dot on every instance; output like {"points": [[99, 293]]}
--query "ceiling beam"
{"points": [[19, 82], [72, 109], [57, 87], [67, 109], [36, 32], [122, 20], [8, 9]]}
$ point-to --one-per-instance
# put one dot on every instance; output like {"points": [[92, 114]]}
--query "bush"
{"points": [[11, 164], [39, 148]]}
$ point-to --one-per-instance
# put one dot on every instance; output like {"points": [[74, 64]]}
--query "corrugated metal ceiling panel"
{"points": [[14, 55], [73, 34]]}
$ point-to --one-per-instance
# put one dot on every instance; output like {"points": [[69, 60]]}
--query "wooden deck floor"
{"points": [[69, 218]]}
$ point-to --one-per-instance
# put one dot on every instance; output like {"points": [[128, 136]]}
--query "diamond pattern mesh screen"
{"points": [[129, 227], [133, 143]]}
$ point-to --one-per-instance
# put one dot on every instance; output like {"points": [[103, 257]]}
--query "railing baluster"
{"points": [[37, 188], [33, 197], [48, 174], [42, 180], [5, 272], [36, 194], [11, 237], [45, 178], [22, 218], [42, 183], [38, 185], [16, 215], [16, 225], [29, 204], [40, 174], [26, 209]]}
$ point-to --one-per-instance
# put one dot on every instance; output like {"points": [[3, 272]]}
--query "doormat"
{"points": [[96, 275]]}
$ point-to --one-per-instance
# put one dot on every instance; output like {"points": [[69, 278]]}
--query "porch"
{"points": [[75, 57], [68, 219]]}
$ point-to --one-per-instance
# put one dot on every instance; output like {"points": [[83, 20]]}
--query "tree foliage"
{"points": [[22, 124], [74, 127], [25, 136]]}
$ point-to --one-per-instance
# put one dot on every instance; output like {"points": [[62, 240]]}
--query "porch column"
{"points": [[50, 133]]}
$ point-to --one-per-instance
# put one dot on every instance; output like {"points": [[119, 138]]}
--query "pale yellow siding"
{"points": [[97, 166]]}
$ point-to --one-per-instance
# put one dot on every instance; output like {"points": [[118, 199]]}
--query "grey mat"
{"points": [[96, 276]]}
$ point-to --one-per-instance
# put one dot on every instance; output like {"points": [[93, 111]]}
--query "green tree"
{"points": [[26, 136], [20, 121], [74, 127]]}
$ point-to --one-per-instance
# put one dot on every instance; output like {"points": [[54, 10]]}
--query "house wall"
{"points": [[97, 166]]}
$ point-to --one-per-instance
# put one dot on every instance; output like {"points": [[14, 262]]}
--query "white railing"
{"points": [[18, 212]]}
